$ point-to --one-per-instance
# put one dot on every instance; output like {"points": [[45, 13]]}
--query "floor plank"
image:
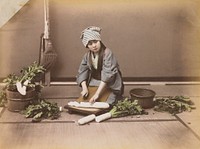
{"points": [[154, 131], [192, 119], [141, 135]]}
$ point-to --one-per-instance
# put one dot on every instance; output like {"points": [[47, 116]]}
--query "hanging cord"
{"points": [[46, 20], [41, 48]]}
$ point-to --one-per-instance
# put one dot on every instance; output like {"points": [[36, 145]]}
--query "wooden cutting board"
{"points": [[87, 111], [92, 90]]}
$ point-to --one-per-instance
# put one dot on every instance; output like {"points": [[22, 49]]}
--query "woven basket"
{"points": [[144, 96]]}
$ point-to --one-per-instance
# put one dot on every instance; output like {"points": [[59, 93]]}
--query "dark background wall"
{"points": [[151, 39]]}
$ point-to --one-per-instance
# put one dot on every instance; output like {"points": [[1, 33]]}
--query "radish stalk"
{"points": [[86, 119]]}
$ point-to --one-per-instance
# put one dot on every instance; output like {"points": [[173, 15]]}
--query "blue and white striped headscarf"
{"points": [[90, 33]]}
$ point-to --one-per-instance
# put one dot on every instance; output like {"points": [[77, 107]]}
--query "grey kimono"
{"points": [[110, 74]]}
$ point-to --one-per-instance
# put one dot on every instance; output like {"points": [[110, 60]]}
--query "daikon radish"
{"points": [[86, 119], [73, 103], [21, 89], [26, 82], [94, 105], [103, 117], [100, 105]]}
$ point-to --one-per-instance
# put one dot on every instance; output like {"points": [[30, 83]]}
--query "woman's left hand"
{"points": [[98, 92], [94, 98]]}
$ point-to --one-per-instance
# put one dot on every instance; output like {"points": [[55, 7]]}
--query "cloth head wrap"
{"points": [[90, 33]]}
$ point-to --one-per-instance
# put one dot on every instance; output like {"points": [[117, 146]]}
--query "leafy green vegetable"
{"points": [[126, 107], [42, 110], [173, 104], [27, 73]]}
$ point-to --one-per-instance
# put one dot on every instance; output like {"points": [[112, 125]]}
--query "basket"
{"points": [[144, 96]]}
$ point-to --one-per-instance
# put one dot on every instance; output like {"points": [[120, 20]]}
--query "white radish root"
{"points": [[73, 103], [26, 82], [101, 105], [103, 117], [21, 89], [86, 119], [95, 105]]}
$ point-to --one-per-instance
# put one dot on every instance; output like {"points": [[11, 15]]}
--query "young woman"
{"points": [[99, 68]]}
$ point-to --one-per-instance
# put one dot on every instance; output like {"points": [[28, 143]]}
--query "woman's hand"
{"points": [[98, 92], [94, 98], [84, 93]]}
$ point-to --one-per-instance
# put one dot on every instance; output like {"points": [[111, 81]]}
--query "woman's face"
{"points": [[94, 45]]}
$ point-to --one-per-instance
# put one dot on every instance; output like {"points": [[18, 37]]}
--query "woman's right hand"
{"points": [[85, 91]]}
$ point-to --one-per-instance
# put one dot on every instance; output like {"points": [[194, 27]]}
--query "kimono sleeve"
{"points": [[110, 67], [83, 71]]}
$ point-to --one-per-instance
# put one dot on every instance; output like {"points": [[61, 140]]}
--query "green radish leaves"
{"points": [[42, 110]]}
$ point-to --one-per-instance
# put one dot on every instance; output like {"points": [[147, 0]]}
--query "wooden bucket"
{"points": [[18, 102]]}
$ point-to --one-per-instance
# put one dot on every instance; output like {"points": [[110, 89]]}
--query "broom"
{"points": [[47, 55]]}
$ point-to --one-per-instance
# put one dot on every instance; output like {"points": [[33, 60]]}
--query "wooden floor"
{"points": [[153, 131]]}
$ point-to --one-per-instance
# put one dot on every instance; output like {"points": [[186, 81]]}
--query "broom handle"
{"points": [[46, 20]]}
